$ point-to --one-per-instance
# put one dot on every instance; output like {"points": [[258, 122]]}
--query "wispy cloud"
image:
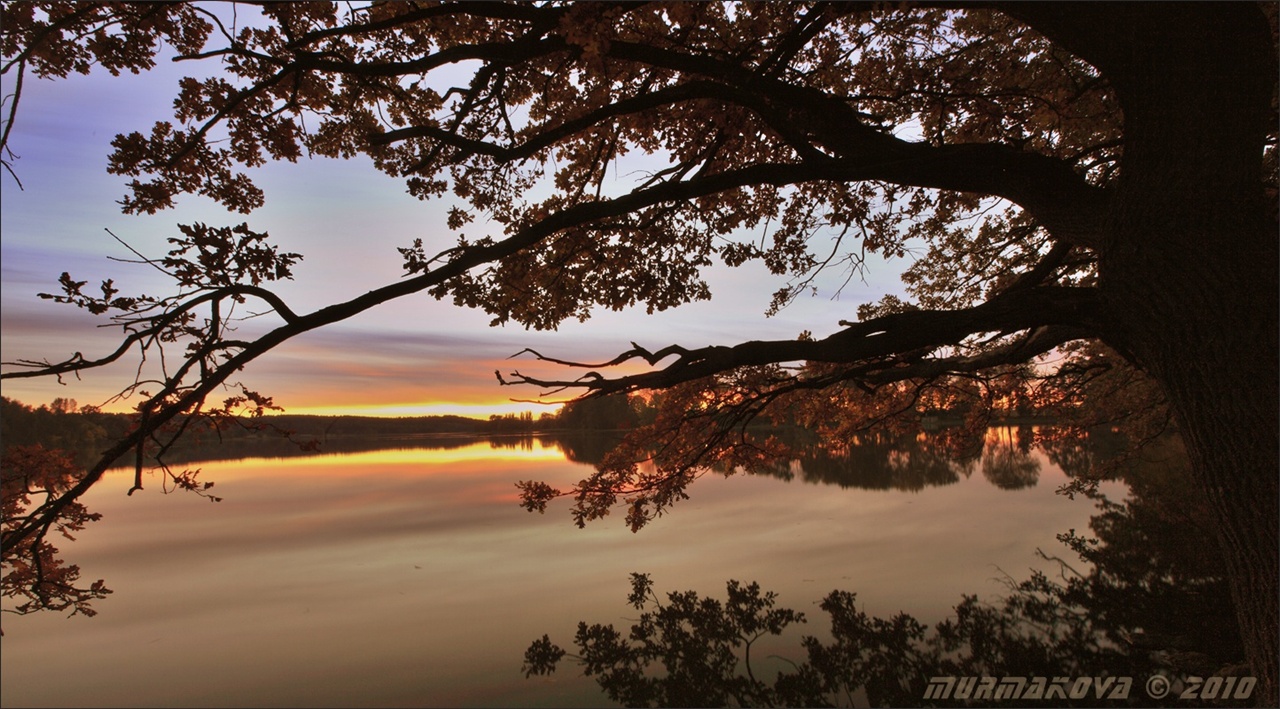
{"points": [[413, 355]]}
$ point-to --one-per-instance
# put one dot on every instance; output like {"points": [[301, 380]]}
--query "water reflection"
{"points": [[874, 463], [912, 463], [1009, 457], [1140, 597], [1007, 461], [409, 576]]}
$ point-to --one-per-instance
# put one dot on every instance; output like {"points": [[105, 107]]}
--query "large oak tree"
{"points": [[1095, 179]]}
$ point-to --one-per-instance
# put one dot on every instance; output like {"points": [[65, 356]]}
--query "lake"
{"points": [[411, 577]]}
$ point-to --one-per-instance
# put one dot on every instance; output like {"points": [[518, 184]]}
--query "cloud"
{"points": [[347, 218]]}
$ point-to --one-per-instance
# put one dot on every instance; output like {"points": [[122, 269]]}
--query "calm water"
{"points": [[410, 577]]}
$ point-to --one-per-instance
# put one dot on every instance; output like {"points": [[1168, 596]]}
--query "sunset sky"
{"points": [[411, 357]]}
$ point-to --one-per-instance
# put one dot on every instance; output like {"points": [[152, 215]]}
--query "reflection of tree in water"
{"points": [[1153, 547], [1090, 454], [1007, 461], [885, 462], [878, 463], [1152, 600], [511, 443], [874, 462], [278, 447], [913, 462], [587, 447]]}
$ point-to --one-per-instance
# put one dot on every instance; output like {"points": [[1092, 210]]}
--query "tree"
{"points": [[1092, 180], [1152, 602], [600, 413]]}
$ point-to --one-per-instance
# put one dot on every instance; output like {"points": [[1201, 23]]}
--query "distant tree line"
{"points": [[62, 424], [607, 413], [85, 431]]}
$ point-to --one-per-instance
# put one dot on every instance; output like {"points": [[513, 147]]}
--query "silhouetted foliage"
{"points": [[1087, 192], [31, 478], [82, 433], [607, 413], [1152, 602]]}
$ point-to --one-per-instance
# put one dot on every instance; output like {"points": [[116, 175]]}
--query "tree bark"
{"points": [[1188, 266], [1203, 323], [1189, 277]]}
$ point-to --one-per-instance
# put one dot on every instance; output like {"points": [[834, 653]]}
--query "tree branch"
{"points": [[877, 346], [464, 260], [546, 138], [1066, 204]]}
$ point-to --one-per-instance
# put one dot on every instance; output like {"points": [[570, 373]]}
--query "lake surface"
{"points": [[411, 577]]}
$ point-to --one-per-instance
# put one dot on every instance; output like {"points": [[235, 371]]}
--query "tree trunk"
{"points": [[1207, 333], [1189, 276]]}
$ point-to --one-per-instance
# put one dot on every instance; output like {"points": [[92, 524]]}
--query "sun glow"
{"points": [[472, 410], [408, 461], [482, 451]]}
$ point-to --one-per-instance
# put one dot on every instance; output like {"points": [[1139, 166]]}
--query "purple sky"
{"points": [[415, 356]]}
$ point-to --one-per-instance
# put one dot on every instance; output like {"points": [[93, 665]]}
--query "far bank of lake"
{"points": [[408, 575]]}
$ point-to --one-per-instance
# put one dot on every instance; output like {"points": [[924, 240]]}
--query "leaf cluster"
{"points": [[756, 108], [729, 423], [32, 478]]}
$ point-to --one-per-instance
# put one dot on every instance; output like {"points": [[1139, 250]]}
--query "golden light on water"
{"points": [[427, 456], [417, 566], [400, 461]]}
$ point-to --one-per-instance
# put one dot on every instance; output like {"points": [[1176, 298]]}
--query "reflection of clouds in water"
{"points": [[304, 586], [329, 500]]}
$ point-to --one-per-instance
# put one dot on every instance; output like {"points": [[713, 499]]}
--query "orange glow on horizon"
{"points": [[476, 410], [412, 461], [398, 410], [481, 451]]}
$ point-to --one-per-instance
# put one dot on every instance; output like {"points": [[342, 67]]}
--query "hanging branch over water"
{"points": [[1059, 189]]}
